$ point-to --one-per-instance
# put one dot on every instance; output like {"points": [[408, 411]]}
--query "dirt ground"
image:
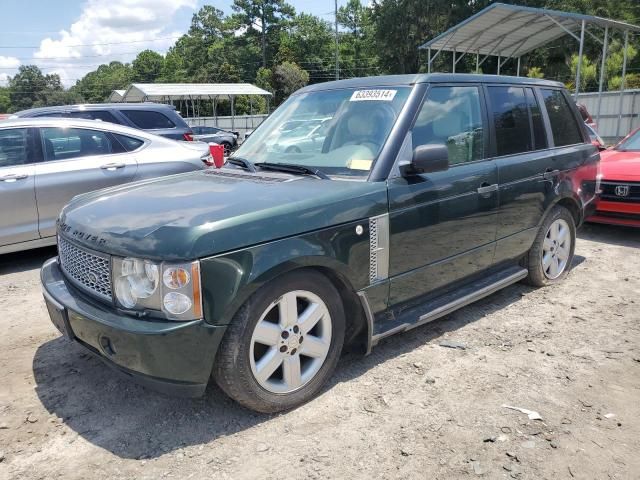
{"points": [[413, 409]]}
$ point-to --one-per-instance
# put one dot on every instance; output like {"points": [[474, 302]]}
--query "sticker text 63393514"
{"points": [[363, 95]]}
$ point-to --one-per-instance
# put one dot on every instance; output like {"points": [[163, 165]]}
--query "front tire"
{"points": [[283, 344], [549, 259]]}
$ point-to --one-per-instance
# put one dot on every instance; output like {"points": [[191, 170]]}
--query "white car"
{"points": [[44, 162]]}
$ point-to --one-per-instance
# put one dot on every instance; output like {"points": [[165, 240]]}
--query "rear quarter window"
{"points": [[128, 143], [564, 126], [148, 119]]}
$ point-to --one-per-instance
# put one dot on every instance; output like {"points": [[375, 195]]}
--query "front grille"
{"points": [[613, 191], [89, 270]]}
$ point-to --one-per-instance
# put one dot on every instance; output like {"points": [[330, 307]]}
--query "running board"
{"points": [[449, 303]]}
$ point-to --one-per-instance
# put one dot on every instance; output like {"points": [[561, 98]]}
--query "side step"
{"points": [[450, 302]]}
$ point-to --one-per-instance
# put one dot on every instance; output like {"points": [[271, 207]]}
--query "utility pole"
{"points": [[337, 62]]}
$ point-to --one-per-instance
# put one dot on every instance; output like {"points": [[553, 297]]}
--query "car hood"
{"points": [[198, 214], [617, 165]]}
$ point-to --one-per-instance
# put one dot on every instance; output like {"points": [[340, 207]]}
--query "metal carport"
{"points": [[191, 92], [510, 31]]}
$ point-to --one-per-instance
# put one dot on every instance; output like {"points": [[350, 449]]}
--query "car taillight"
{"points": [[188, 137]]}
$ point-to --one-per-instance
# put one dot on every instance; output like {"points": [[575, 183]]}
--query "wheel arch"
{"points": [[571, 202]]}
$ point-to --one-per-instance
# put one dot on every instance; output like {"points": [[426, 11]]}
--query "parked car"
{"points": [[155, 118], [229, 140], [430, 192], [44, 162], [619, 200]]}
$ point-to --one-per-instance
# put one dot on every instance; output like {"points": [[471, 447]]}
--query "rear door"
{"points": [[443, 224], [76, 160], [18, 213], [525, 163]]}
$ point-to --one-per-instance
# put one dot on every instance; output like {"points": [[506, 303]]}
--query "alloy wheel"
{"points": [[290, 342], [556, 249]]}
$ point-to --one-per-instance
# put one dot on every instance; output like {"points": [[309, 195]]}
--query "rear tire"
{"points": [[283, 344], [227, 148], [549, 259]]}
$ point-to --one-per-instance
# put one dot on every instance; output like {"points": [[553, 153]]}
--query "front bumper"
{"points": [[616, 213], [172, 357]]}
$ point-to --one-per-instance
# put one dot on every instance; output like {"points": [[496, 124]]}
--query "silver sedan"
{"points": [[44, 162]]}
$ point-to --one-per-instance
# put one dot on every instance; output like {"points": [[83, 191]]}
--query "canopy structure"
{"points": [[162, 92], [116, 96], [510, 31]]}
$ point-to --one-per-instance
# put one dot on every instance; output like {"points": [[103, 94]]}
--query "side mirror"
{"points": [[428, 159]]}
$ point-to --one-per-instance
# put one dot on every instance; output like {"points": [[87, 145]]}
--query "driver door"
{"points": [[443, 224]]}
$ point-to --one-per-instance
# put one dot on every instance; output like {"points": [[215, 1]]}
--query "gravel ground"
{"points": [[414, 408]]}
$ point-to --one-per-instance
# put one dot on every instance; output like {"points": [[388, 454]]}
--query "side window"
{"points": [[148, 119], [511, 120], [103, 115], [451, 116], [563, 124], [129, 143], [67, 143], [14, 147], [539, 133]]}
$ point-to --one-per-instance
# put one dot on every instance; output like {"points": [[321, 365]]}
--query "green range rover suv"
{"points": [[422, 194]]}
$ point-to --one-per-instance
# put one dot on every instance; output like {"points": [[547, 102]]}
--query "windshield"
{"points": [[630, 143], [339, 132]]}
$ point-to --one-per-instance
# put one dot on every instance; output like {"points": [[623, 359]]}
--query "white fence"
{"points": [[618, 115], [239, 123]]}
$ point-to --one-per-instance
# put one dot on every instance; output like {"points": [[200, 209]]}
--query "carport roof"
{"points": [[512, 30], [116, 95], [141, 92]]}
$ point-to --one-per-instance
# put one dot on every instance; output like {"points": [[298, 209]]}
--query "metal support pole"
{"points": [[337, 61], [454, 60], [518, 68], [233, 113], [624, 75], [477, 62], [578, 70], [603, 65], [429, 60], [498, 73]]}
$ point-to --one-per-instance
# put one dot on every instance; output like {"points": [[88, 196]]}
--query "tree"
{"points": [[29, 88], [147, 67], [588, 73], [96, 86], [5, 100], [265, 15], [287, 78]]}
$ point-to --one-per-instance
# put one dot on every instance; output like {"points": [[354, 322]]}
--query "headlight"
{"points": [[138, 285]]}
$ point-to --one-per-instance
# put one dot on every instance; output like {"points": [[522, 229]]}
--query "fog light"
{"points": [[176, 303]]}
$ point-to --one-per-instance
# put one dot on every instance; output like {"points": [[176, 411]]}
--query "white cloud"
{"points": [[8, 67], [109, 30], [9, 62]]}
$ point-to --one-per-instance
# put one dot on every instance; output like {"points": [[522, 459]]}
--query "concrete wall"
{"points": [[239, 123], [614, 122]]}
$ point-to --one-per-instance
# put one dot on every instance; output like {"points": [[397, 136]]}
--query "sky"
{"points": [[73, 37]]}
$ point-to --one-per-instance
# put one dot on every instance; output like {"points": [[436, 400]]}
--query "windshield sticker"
{"points": [[363, 95], [357, 164]]}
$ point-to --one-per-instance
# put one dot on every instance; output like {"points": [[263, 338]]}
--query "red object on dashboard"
{"points": [[217, 153]]}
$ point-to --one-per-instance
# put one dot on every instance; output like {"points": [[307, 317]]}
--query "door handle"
{"points": [[485, 188], [13, 177], [549, 173], [112, 166]]}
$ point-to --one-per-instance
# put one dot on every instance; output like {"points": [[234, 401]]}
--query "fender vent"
{"points": [[378, 248]]}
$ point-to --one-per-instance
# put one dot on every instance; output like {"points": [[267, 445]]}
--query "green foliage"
{"points": [[588, 73], [96, 86], [535, 72], [29, 88], [5, 101], [147, 67], [287, 78]]}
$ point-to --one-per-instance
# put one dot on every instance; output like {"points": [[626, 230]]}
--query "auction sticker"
{"points": [[364, 95]]}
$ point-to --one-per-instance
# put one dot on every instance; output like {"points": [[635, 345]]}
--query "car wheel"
{"points": [[227, 148], [283, 344], [550, 257]]}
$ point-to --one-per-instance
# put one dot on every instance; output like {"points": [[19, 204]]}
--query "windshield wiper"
{"points": [[242, 162], [292, 168]]}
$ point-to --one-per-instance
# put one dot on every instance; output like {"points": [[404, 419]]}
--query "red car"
{"points": [[619, 201]]}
